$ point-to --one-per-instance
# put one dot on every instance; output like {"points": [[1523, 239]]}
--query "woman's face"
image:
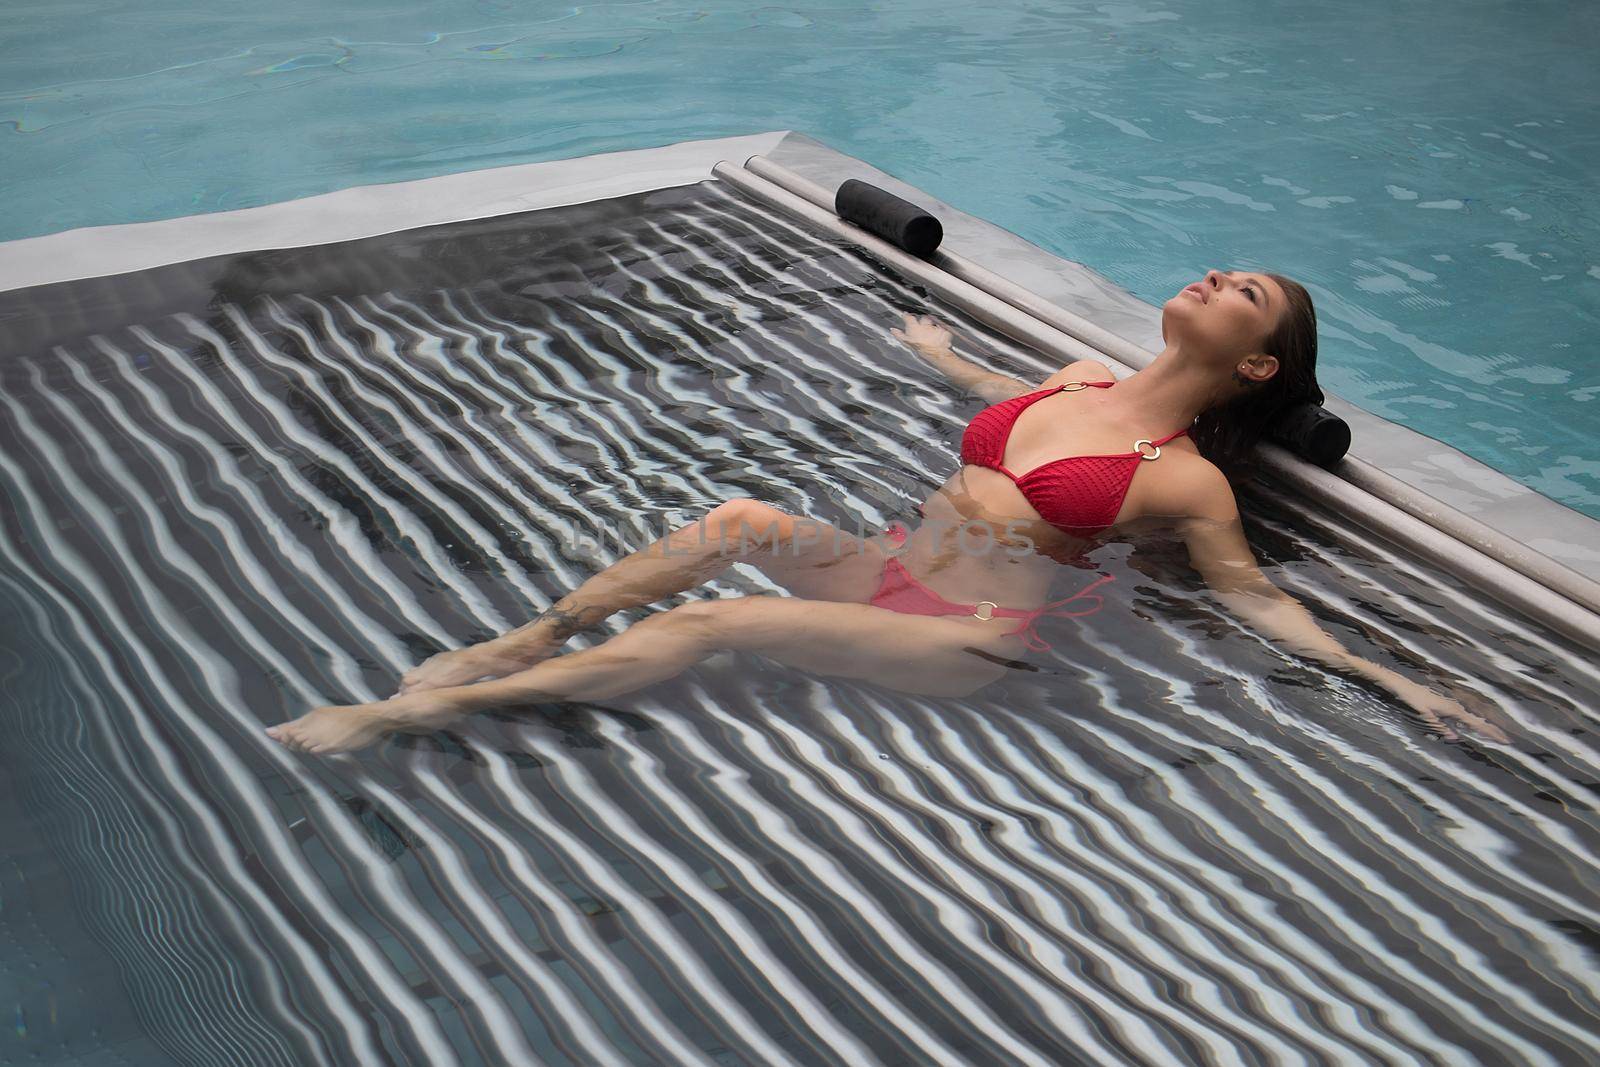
{"points": [[1225, 317]]}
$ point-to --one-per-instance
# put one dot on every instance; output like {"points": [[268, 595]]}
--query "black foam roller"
{"points": [[900, 222], [1313, 433]]}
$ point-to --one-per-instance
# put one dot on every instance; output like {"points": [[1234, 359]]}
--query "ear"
{"points": [[1259, 367]]}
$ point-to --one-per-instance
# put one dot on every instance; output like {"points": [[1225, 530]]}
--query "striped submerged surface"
{"points": [[237, 488]]}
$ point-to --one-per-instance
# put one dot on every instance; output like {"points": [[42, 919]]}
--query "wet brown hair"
{"points": [[1226, 434]]}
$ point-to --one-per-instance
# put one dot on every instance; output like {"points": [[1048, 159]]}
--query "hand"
{"points": [[1435, 707], [459, 667], [923, 331]]}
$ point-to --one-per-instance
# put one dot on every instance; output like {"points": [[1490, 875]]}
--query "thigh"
{"points": [[809, 558], [928, 655]]}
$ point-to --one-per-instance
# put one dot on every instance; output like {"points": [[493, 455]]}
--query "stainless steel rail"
{"points": [[1511, 573]]}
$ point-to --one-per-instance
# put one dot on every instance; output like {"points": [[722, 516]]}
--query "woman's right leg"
{"points": [[809, 558], [925, 655]]}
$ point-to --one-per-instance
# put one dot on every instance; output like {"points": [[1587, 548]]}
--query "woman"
{"points": [[945, 608]]}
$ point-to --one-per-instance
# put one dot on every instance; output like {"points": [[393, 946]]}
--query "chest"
{"points": [[1027, 432], [1080, 471]]}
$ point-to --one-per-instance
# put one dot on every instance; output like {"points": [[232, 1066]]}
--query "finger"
{"points": [[1434, 723], [1445, 729], [1473, 706], [1484, 726], [1439, 729]]}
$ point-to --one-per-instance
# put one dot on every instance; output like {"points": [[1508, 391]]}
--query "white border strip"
{"points": [[366, 211]]}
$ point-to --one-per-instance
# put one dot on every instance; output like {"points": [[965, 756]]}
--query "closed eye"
{"points": [[1253, 300]]}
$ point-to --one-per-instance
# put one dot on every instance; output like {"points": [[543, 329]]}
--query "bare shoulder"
{"points": [[1176, 493], [1196, 488], [1084, 370]]}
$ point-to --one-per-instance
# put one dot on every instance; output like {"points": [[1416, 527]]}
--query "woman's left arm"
{"points": [[1219, 551]]}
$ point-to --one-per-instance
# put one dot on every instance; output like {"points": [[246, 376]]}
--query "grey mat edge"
{"points": [[1427, 465]]}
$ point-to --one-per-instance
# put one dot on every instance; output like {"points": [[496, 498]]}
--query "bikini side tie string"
{"points": [[1039, 644]]}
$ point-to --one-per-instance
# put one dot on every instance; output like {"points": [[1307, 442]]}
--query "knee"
{"points": [[746, 523], [743, 509], [712, 624]]}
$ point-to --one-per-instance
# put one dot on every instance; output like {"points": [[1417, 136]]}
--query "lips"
{"points": [[1198, 290]]}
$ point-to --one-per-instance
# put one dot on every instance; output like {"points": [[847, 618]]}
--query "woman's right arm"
{"points": [[931, 341]]}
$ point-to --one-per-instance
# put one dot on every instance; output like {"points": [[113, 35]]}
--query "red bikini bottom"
{"points": [[900, 592]]}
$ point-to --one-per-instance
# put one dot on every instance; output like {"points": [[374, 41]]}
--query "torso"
{"points": [[979, 500]]}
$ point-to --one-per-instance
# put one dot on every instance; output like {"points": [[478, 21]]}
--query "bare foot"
{"points": [[341, 728], [463, 666]]}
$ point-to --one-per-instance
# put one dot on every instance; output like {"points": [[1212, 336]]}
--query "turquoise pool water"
{"points": [[1426, 169]]}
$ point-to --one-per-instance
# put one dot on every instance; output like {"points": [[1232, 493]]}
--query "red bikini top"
{"points": [[1080, 495]]}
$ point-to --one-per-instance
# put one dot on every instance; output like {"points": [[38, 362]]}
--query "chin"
{"points": [[1182, 304]]}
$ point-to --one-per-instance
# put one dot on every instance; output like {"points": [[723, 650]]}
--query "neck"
{"points": [[1168, 391]]}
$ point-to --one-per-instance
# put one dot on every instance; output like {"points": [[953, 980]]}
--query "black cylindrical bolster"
{"points": [[897, 221], [1313, 433]]}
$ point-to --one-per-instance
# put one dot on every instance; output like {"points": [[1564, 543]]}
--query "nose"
{"points": [[1214, 279]]}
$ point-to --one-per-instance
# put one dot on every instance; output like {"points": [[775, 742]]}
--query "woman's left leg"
{"points": [[927, 655], [810, 558]]}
